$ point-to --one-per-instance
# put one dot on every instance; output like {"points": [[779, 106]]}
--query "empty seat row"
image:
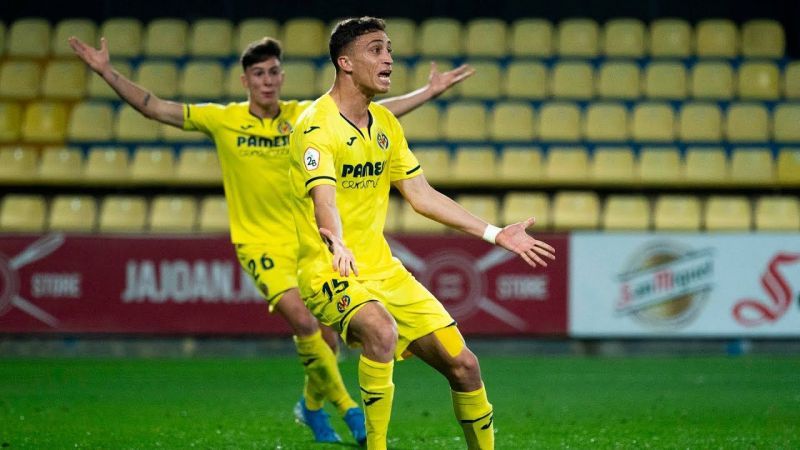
{"points": [[437, 36]]}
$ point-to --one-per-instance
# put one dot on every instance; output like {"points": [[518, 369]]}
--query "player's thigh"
{"points": [[336, 301], [272, 269]]}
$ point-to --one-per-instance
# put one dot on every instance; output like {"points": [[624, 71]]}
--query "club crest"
{"points": [[382, 140]]}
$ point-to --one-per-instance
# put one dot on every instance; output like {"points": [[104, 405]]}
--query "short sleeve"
{"points": [[317, 166], [404, 164], [202, 117]]}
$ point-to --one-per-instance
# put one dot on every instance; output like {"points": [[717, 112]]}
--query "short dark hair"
{"points": [[261, 50], [348, 30]]}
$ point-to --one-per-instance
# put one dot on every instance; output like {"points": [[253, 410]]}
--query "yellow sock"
{"points": [[377, 394], [474, 413], [323, 379]]}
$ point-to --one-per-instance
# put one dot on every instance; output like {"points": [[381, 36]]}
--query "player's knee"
{"points": [[376, 330], [465, 372], [304, 324]]}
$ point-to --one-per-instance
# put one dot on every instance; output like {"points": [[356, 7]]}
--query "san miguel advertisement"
{"points": [[59, 283], [719, 285]]}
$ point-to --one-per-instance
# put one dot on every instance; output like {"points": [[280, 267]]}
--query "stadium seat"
{"points": [[60, 165], [700, 122], [64, 80], [758, 81], [211, 38], [559, 121], [83, 29], [483, 206], [300, 80], [567, 165], [131, 126], [485, 37], [172, 214], [325, 74], [475, 165], [435, 163], [91, 122], [670, 38], [44, 122], [413, 222], [439, 37], [660, 166], [124, 36], [392, 224], [201, 80], [106, 165], [19, 80], [626, 213], [777, 213], [572, 80], [606, 122], [402, 32], [791, 81], [198, 165], [576, 210], [619, 80], [18, 164], [422, 124], [122, 214], [484, 84], [465, 121], [665, 80], [22, 213], [706, 166], [653, 122], [73, 213], [519, 206], [154, 165], [305, 37], [752, 166], [712, 80], [2, 38], [676, 213], [520, 165], [525, 80], [717, 38], [613, 165], [578, 37], [159, 77], [171, 134], [511, 121], [420, 74], [166, 37], [213, 216], [728, 213], [747, 122], [98, 89], [10, 121], [28, 38], [253, 29], [789, 166], [232, 86], [624, 38], [763, 38], [531, 37], [785, 118]]}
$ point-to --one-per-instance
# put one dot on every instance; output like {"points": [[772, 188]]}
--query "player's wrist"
{"points": [[490, 233]]}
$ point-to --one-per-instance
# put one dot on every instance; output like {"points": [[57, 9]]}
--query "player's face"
{"points": [[263, 82], [372, 62]]}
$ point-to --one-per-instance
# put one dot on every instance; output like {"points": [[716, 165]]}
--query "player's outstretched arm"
{"points": [[438, 82], [436, 206], [143, 101], [330, 228]]}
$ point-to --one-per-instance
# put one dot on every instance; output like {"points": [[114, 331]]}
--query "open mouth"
{"points": [[384, 75]]}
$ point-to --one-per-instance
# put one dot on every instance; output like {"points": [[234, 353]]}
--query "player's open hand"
{"points": [[439, 82], [343, 259], [97, 59], [514, 238]]}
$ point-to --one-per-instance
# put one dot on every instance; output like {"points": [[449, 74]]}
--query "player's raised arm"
{"points": [[330, 228], [436, 206], [438, 82], [143, 101]]}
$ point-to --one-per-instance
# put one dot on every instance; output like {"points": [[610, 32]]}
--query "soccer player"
{"points": [[252, 141], [346, 151]]}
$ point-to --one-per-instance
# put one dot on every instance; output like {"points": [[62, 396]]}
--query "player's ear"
{"points": [[243, 78], [345, 64]]}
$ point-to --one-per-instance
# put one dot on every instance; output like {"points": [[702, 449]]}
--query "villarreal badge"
{"points": [[382, 140], [343, 303]]}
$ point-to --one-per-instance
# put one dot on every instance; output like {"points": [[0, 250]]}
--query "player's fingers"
{"points": [[353, 266], [532, 255], [529, 222], [544, 252], [527, 259], [546, 246], [434, 68], [103, 44]]}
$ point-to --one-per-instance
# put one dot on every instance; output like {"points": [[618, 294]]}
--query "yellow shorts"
{"points": [[273, 269], [414, 308]]}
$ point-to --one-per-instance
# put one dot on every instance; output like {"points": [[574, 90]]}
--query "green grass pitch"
{"points": [[748, 402]]}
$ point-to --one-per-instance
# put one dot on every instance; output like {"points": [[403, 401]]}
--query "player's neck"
{"points": [[269, 111], [352, 102]]}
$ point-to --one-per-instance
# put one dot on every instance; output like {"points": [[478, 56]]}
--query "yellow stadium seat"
{"points": [[747, 122], [483, 206], [758, 81], [665, 80], [60, 165], [676, 213], [626, 213], [660, 166], [392, 224], [465, 121], [752, 166], [124, 36], [201, 80], [198, 165], [172, 214], [400, 79], [213, 216], [253, 29], [64, 80], [789, 166], [19, 80], [519, 206], [18, 164], [576, 210], [211, 38], [717, 38], [166, 37], [122, 214], [700, 122], [474, 164], [578, 37], [131, 126], [653, 122], [91, 122], [402, 32], [421, 73], [44, 122], [232, 86], [305, 37], [791, 81], [706, 166], [29, 38], [326, 73], [712, 80], [568, 165], [73, 213], [10, 121], [624, 37], [572, 80], [152, 165], [777, 213], [484, 83], [785, 119], [511, 121], [422, 124], [485, 37], [98, 89], [300, 80], [171, 134], [525, 80], [435, 162], [439, 37], [520, 165], [22, 213], [612, 165], [159, 77], [606, 122], [559, 121], [106, 165], [670, 38], [728, 213], [413, 222], [83, 29], [531, 37], [619, 80], [763, 38]]}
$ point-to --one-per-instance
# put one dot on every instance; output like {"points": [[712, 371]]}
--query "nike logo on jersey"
{"points": [[246, 127], [350, 142], [309, 361], [371, 400], [310, 129]]}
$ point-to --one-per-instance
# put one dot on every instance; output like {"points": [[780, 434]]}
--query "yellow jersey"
{"points": [[254, 156], [327, 149]]}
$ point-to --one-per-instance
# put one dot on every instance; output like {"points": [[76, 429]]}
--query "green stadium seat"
{"points": [[623, 38], [531, 37], [712, 80], [485, 37], [211, 38], [670, 38], [717, 38], [700, 122], [29, 37], [763, 38], [166, 37], [578, 37]]}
